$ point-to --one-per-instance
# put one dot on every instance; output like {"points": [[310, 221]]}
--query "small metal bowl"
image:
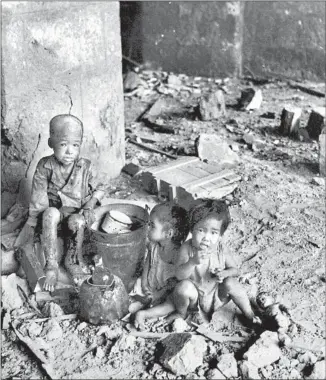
{"points": [[116, 222]]}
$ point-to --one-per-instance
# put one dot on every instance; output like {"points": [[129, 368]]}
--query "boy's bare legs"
{"points": [[237, 293], [51, 219], [74, 260], [154, 312]]}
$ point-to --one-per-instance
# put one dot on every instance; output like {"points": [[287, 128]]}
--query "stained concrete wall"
{"points": [[227, 38], [60, 57]]}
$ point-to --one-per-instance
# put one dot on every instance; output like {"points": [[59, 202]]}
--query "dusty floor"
{"points": [[278, 224]]}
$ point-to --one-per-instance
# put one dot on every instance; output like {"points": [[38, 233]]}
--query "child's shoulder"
{"points": [[84, 162]]}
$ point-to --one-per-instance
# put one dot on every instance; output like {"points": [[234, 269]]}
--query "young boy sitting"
{"points": [[168, 228], [63, 195], [206, 272]]}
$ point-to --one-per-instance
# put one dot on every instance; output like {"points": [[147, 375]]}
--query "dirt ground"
{"points": [[277, 233]]}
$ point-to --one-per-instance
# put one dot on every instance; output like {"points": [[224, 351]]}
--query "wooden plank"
{"points": [[196, 170], [202, 181], [172, 165], [227, 180], [176, 177]]}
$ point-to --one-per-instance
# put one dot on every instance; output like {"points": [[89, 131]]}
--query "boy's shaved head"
{"points": [[63, 126]]}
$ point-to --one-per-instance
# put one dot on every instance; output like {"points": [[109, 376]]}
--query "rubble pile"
{"points": [[277, 233]]}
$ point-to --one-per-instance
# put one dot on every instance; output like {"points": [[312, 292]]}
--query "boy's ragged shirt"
{"points": [[51, 189]]}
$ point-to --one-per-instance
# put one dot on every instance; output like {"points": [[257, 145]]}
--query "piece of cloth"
{"points": [[51, 189], [160, 278], [207, 284]]}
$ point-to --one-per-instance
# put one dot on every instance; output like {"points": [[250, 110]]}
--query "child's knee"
{"points": [[186, 289], [230, 283], [51, 214], [76, 222]]}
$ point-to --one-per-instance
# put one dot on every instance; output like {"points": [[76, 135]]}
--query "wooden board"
{"points": [[189, 178]]}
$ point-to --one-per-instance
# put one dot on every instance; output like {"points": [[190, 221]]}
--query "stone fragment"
{"points": [[179, 325], [52, 309], [9, 264], [52, 330], [6, 321], [284, 362], [131, 81], [265, 350], [322, 153], [214, 374], [214, 148], [316, 122], [248, 370], [255, 102], [320, 181], [100, 353], [10, 296], [294, 374], [228, 365], [124, 342], [319, 371], [290, 121], [212, 106], [81, 326], [307, 358], [173, 80], [182, 353]]}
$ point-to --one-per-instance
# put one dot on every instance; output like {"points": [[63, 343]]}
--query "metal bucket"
{"points": [[122, 253]]}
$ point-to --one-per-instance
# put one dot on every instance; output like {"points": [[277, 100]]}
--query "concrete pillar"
{"points": [[60, 57]]}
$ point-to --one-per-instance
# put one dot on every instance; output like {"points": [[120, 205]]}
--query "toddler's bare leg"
{"points": [[184, 295], [233, 288], [51, 219], [154, 312]]}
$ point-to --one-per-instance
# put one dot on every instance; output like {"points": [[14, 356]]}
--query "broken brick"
{"points": [[212, 106], [316, 122], [182, 353], [290, 121]]}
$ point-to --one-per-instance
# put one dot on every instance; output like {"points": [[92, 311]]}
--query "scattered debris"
{"points": [[9, 264], [212, 106], [268, 115], [264, 351], [216, 336], [52, 310], [290, 121], [214, 148], [152, 148], [11, 298], [214, 374], [316, 122], [52, 330], [182, 353]]}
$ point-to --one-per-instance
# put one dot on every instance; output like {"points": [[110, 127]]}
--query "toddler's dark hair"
{"points": [[202, 208], [176, 217]]}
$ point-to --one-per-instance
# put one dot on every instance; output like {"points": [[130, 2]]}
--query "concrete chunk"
{"points": [[228, 365], [212, 106], [182, 353], [248, 371], [316, 122], [10, 296], [264, 351], [319, 371], [214, 148]]}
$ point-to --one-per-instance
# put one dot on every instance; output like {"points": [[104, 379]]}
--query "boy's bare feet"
{"points": [[139, 320], [51, 279]]}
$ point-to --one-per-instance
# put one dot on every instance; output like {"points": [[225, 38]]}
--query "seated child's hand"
{"points": [[220, 274]]}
